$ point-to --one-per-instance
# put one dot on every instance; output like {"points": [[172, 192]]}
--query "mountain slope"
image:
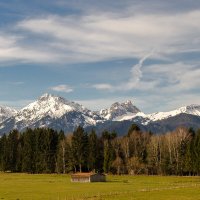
{"points": [[192, 110], [158, 127], [6, 112], [60, 114], [171, 123], [51, 111], [120, 111]]}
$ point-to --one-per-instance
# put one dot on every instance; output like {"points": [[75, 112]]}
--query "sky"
{"points": [[99, 52]]}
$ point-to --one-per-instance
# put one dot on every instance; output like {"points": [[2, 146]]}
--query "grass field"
{"points": [[59, 187]]}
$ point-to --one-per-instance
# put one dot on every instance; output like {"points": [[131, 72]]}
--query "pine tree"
{"points": [[195, 153], [3, 153], [41, 150], [12, 142], [52, 143], [80, 148], [19, 156], [29, 151], [61, 153], [93, 151]]}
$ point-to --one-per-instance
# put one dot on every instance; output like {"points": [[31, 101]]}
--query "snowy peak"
{"points": [[51, 111], [6, 112], [60, 114], [191, 109], [127, 111], [129, 107], [49, 105], [120, 111]]}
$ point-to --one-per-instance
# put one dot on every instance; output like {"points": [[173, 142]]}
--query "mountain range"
{"points": [[60, 114]]}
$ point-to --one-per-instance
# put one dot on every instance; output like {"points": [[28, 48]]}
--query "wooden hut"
{"points": [[88, 177]]}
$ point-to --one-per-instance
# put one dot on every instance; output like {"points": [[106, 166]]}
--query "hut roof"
{"points": [[84, 174]]}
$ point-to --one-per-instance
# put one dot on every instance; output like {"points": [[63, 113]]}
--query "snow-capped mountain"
{"points": [[60, 114], [192, 110], [127, 111], [6, 112], [51, 111], [160, 122], [120, 111], [49, 105]]}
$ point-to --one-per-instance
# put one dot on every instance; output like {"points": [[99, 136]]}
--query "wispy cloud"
{"points": [[103, 86], [16, 82], [100, 31], [62, 88], [134, 82], [136, 74], [91, 38], [175, 77], [11, 49]]}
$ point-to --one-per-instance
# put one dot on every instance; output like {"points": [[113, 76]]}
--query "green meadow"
{"points": [[59, 187]]}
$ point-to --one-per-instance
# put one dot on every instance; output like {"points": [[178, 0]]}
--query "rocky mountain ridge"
{"points": [[58, 113]]}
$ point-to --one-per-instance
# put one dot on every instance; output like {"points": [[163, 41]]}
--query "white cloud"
{"points": [[103, 86], [175, 77], [7, 41], [62, 88], [164, 87], [11, 49], [109, 35], [91, 38], [16, 82]]}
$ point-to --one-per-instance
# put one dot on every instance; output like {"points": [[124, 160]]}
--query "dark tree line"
{"points": [[44, 150]]}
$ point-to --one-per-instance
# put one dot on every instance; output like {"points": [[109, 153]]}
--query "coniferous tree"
{"points": [[71, 163], [188, 158], [19, 156], [93, 153], [29, 151], [52, 143], [61, 153], [3, 153], [41, 150], [195, 153], [80, 148], [12, 146]]}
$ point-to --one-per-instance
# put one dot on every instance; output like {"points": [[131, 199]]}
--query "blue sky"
{"points": [[99, 52]]}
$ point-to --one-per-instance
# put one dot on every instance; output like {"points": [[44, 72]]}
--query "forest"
{"points": [[44, 150]]}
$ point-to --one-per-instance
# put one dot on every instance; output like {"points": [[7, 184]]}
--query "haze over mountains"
{"points": [[58, 113]]}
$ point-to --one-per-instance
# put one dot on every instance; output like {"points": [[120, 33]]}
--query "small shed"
{"points": [[88, 177]]}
